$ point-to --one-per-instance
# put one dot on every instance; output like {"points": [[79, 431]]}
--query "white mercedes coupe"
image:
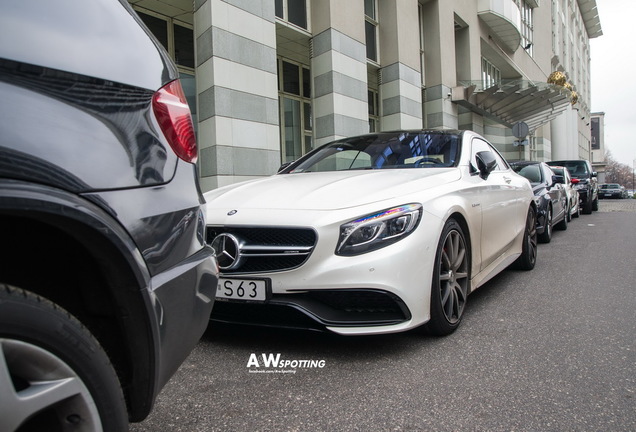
{"points": [[372, 234]]}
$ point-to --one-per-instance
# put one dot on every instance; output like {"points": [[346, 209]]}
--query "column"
{"points": [[237, 90], [440, 70], [339, 70], [401, 79]]}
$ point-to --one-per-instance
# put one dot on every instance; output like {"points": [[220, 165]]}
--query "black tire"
{"points": [[587, 206], [39, 341], [451, 278], [528, 257], [546, 235]]}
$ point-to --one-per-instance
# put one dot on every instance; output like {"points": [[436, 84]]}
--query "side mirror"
{"points": [[486, 163], [594, 174], [558, 179]]}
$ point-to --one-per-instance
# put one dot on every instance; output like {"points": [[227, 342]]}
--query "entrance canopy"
{"points": [[512, 101]]}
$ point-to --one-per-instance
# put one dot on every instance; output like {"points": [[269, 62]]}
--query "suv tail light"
{"points": [[173, 114]]}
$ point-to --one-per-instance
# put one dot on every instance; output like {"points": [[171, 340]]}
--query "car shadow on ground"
{"points": [[309, 343]]}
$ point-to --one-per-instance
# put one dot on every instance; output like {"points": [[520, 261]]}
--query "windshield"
{"points": [[531, 172], [383, 151]]}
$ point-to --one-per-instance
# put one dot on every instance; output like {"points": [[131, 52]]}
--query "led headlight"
{"points": [[378, 230]]}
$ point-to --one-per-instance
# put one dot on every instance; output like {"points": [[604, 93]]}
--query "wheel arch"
{"points": [[73, 253], [463, 223]]}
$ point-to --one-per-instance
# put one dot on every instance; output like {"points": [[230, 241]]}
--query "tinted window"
{"points": [[479, 146], [383, 151], [532, 172], [576, 168]]}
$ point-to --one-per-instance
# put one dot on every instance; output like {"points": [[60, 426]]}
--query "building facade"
{"points": [[272, 79], [597, 144]]}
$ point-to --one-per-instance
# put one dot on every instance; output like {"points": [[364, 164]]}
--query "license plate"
{"points": [[609, 195], [243, 289]]}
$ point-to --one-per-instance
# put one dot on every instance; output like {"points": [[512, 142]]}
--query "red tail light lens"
{"points": [[173, 114]]}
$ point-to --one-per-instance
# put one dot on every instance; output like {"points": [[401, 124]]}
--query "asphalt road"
{"points": [[549, 350]]}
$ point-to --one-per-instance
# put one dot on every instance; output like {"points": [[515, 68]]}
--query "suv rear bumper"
{"points": [[185, 290]]}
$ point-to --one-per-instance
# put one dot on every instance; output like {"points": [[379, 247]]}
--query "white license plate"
{"points": [[242, 289]]}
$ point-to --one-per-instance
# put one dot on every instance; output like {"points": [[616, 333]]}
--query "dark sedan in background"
{"points": [[550, 196], [611, 190]]}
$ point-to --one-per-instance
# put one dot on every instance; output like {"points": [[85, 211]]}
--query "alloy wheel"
{"points": [[453, 276], [39, 390]]}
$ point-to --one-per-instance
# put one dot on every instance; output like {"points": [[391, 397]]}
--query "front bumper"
{"points": [[383, 291], [319, 310]]}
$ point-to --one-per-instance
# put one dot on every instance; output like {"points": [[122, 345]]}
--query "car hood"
{"points": [[328, 190]]}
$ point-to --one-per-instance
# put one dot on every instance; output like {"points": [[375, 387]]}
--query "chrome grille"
{"points": [[266, 249]]}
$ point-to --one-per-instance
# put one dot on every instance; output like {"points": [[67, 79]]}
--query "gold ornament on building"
{"points": [[574, 97], [557, 77], [568, 86]]}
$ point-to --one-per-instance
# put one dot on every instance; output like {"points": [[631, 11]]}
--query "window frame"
{"points": [[285, 17], [304, 102], [374, 22]]}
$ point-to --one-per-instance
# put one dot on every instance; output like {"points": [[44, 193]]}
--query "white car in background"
{"points": [[372, 234]]}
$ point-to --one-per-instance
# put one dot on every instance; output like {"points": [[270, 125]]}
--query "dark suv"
{"points": [[106, 283], [584, 179]]}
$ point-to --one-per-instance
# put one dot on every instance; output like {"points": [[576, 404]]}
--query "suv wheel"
{"points": [[49, 356], [595, 204]]}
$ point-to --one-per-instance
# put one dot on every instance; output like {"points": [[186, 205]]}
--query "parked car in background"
{"points": [[587, 186], [106, 282], [573, 199], [550, 196], [378, 233], [625, 192], [611, 190]]}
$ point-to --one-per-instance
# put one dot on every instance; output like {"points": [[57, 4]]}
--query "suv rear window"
{"points": [[575, 167]]}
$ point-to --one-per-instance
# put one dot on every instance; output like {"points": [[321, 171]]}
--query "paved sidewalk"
{"points": [[617, 205]]}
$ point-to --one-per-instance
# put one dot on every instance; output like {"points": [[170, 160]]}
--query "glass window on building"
{"points": [[371, 29], [527, 26], [292, 11], [178, 39], [374, 111], [420, 12], [295, 109], [490, 75]]}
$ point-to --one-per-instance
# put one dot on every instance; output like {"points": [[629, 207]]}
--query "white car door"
{"points": [[499, 199]]}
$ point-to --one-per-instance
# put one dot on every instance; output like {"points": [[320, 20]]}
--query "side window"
{"points": [[481, 145]]}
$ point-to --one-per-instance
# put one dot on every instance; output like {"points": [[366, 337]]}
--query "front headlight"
{"points": [[378, 230]]}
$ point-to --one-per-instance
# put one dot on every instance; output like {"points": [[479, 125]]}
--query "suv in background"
{"points": [[106, 283], [585, 182]]}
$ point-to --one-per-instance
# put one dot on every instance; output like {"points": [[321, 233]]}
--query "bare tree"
{"points": [[616, 172]]}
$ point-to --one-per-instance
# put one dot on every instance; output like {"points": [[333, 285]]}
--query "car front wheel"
{"points": [[546, 235], [451, 274], [54, 375], [528, 257]]}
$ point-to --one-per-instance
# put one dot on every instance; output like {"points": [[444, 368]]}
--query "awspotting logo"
{"points": [[273, 363]]}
